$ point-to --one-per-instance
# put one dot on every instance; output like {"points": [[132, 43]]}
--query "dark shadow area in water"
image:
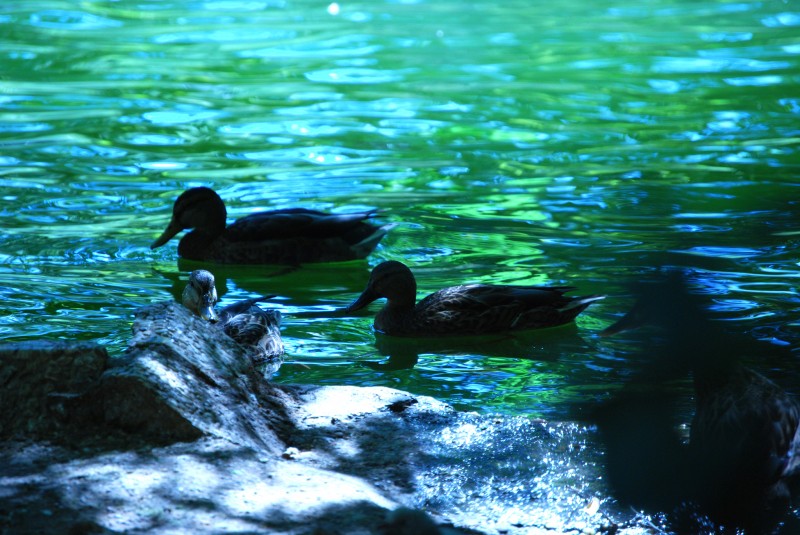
{"points": [[740, 461]]}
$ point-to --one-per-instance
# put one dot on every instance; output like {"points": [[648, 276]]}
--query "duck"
{"points": [[290, 236], [256, 329], [745, 443], [467, 309], [743, 452]]}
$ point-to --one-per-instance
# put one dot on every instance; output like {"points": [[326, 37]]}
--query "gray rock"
{"points": [[187, 437], [181, 379], [37, 377]]}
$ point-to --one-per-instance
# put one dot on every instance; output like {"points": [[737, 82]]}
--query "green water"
{"points": [[526, 142]]}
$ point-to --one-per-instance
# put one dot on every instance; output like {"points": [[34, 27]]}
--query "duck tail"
{"points": [[365, 246], [578, 304]]}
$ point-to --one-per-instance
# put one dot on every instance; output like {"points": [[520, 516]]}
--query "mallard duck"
{"points": [[464, 310], [291, 236], [744, 441], [244, 321]]}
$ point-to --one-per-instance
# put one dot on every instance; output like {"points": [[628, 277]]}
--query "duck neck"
{"points": [[194, 244], [401, 303], [213, 228], [395, 316]]}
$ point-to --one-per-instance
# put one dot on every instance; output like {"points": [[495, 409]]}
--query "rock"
{"points": [[406, 521], [181, 379], [36, 377], [186, 436]]}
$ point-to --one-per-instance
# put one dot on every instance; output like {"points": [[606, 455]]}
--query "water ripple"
{"points": [[315, 52], [153, 139], [169, 118], [721, 252], [733, 305], [714, 65], [24, 127], [234, 36], [782, 20], [354, 75], [381, 108], [764, 288], [578, 146], [317, 155], [305, 128], [60, 19], [755, 80]]}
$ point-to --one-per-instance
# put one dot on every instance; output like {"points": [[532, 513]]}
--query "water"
{"points": [[523, 143]]}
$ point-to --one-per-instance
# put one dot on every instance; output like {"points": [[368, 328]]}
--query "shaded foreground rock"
{"points": [[181, 434], [180, 380], [36, 376]]}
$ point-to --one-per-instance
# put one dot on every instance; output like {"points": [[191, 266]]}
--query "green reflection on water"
{"points": [[514, 143]]}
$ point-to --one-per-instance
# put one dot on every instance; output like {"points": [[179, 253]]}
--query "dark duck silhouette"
{"points": [[744, 444], [468, 309], [256, 329], [290, 236]]}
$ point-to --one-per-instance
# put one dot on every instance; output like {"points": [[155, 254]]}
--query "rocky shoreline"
{"points": [[182, 435]]}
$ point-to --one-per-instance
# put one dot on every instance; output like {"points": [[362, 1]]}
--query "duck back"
{"points": [[484, 309]]}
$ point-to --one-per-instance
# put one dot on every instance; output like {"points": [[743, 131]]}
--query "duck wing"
{"points": [[251, 328], [484, 308], [482, 297], [244, 306], [746, 431], [294, 223]]}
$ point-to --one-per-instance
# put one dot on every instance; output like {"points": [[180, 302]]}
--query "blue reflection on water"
{"points": [[583, 150], [71, 20]]}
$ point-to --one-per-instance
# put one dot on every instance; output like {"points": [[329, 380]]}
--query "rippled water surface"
{"points": [[576, 143]]}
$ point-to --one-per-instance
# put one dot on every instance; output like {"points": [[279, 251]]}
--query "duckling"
{"points": [[244, 321], [290, 236], [469, 309]]}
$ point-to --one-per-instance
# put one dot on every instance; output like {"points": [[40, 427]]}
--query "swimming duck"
{"points": [[290, 236], [244, 321], [469, 309], [744, 441]]}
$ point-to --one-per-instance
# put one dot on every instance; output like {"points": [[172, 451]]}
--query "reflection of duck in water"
{"points": [[464, 310], [244, 321], [744, 444], [539, 345], [290, 236]]}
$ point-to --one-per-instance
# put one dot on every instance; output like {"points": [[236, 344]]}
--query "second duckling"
{"points": [[244, 321], [469, 309]]}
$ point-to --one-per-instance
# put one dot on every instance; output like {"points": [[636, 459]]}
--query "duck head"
{"points": [[198, 208], [200, 295], [392, 280]]}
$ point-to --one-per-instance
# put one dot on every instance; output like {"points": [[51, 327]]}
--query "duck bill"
{"points": [[363, 300], [172, 229], [206, 309]]}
